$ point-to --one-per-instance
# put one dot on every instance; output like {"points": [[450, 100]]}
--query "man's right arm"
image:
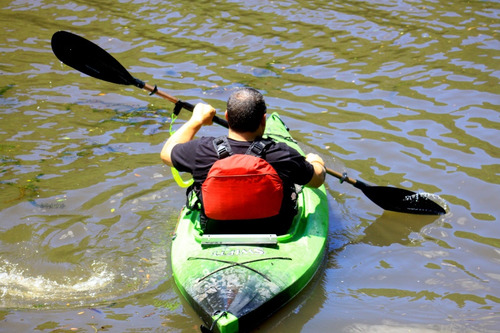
{"points": [[202, 115]]}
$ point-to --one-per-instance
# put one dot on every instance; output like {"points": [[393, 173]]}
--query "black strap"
{"points": [[222, 147], [257, 148]]}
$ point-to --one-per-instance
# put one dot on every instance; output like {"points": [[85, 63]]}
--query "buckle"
{"points": [[258, 148], [222, 151], [222, 147]]}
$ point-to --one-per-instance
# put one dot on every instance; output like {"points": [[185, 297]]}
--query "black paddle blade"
{"points": [[89, 58], [400, 200]]}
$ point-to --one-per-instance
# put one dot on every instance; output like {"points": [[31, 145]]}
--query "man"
{"points": [[246, 116]]}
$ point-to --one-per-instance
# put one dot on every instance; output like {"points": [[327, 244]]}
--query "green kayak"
{"points": [[236, 281]]}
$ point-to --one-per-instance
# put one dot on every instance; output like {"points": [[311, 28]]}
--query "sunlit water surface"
{"points": [[401, 93]]}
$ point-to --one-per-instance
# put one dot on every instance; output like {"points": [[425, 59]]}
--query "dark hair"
{"points": [[245, 108]]}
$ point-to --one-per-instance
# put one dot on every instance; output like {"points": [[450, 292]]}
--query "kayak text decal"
{"points": [[238, 252]]}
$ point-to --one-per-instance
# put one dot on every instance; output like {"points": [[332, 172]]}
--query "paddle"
{"points": [[392, 198], [88, 58], [91, 59]]}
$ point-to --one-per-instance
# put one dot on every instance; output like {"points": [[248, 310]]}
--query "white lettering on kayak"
{"points": [[238, 252]]}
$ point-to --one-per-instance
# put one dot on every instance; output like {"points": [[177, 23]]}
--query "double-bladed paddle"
{"points": [[90, 59]]}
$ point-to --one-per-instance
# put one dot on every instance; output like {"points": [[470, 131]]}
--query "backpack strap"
{"points": [[222, 147], [258, 148]]}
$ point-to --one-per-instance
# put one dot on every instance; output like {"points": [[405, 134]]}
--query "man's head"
{"points": [[245, 109]]}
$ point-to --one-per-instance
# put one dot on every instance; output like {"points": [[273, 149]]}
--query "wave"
{"points": [[20, 290]]}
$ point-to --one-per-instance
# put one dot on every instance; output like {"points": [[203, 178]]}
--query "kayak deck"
{"points": [[235, 281]]}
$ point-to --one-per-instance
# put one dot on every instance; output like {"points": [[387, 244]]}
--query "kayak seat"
{"points": [[272, 225]]}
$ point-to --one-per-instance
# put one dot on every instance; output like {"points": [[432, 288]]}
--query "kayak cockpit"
{"points": [[269, 239]]}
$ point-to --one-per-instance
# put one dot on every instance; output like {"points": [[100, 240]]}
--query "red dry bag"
{"points": [[242, 186]]}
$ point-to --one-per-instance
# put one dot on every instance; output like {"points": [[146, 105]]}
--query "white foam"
{"points": [[18, 288]]}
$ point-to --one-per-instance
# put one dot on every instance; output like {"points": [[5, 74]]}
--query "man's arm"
{"points": [[202, 115], [319, 174]]}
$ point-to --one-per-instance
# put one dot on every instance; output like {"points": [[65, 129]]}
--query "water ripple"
{"points": [[396, 93]]}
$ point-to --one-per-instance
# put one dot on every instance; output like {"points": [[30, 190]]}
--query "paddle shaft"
{"points": [[178, 102], [160, 93], [340, 176]]}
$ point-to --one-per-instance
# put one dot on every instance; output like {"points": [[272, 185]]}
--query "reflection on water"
{"points": [[390, 228], [398, 94]]}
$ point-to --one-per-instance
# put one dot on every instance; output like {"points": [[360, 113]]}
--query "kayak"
{"points": [[234, 281]]}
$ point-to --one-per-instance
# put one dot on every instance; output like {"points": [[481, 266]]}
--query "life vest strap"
{"points": [[222, 147], [257, 148]]}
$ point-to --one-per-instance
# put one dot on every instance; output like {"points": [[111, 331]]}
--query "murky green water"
{"points": [[403, 93]]}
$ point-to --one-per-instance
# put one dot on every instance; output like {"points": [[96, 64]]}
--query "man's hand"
{"points": [[203, 114], [311, 158]]}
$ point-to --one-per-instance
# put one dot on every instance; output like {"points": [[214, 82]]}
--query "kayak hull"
{"points": [[236, 281]]}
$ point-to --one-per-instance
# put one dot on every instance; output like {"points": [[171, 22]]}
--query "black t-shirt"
{"points": [[198, 156]]}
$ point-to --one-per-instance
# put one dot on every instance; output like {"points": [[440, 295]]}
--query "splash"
{"points": [[19, 289], [432, 199]]}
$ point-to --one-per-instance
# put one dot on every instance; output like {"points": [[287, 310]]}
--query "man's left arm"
{"points": [[319, 174], [202, 115]]}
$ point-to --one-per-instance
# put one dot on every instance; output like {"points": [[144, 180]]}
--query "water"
{"points": [[396, 93]]}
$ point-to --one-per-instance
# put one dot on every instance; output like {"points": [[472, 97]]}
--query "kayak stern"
{"points": [[223, 322], [232, 293]]}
